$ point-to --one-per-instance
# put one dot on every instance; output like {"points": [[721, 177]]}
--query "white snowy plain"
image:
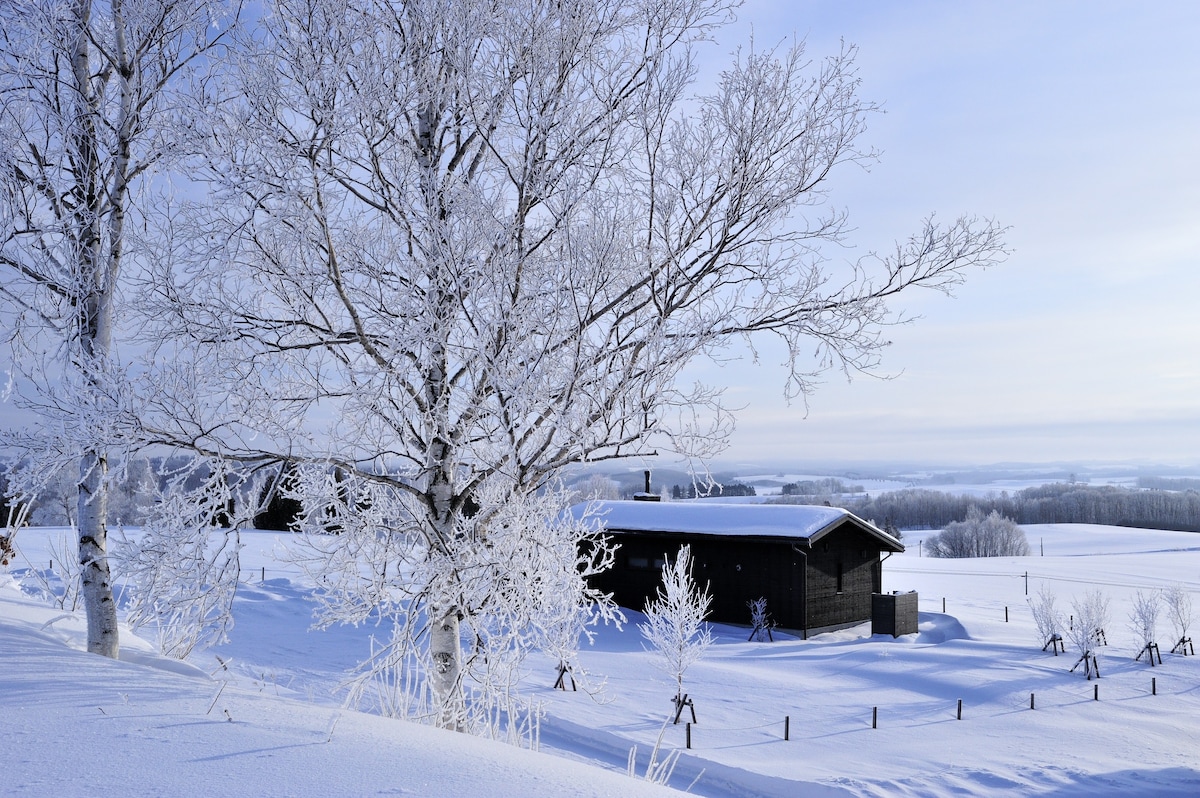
{"points": [[271, 721]]}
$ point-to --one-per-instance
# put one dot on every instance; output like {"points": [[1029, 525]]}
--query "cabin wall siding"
{"points": [[800, 584]]}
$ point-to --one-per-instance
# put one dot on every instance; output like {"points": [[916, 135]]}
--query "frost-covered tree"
{"points": [[1047, 618], [992, 535], [597, 487], [675, 627], [760, 620], [451, 248], [57, 498], [1143, 621], [1179, 611], [520, 575], [1088, 629], [86, 86]]}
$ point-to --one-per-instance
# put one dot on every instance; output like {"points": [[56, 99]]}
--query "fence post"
{"points": [[1006, 614], [1031, 700], [1153, 685], [264, 574], [943, 605], [689, 735], [874, 717], [1095, 692], [960, 709], [787, 723]]}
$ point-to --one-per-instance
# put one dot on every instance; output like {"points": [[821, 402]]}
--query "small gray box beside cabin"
{"points": [[894, 614]]}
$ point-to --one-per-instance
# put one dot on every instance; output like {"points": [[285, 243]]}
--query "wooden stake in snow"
{"points": [[1151, 649], [1090, 664], [682, 701], [564, 671]]}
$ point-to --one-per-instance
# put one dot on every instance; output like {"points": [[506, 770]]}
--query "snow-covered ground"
{"points": [[272, 724]]}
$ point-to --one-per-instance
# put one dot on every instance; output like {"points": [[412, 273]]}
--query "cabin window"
{"points": [[839, 577], [645, 563]]}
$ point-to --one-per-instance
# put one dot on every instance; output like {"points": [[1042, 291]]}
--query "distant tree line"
{"points": [[1168, 483], [828, 486], [1057, 503], [690, 491]]}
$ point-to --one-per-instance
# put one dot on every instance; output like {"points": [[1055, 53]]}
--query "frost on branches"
{"points": [[1086, 632], [978, 535], [1048, 619], [87, 88], [1179, 611], [447, 249], [182, 565], [674, 626], [516, 581]]}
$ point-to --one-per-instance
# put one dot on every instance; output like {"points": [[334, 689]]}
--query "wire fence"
{"points": [[708, 736], [1031, 575]]}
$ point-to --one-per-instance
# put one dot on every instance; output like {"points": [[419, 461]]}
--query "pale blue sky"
{"points": [[1078, 125]]}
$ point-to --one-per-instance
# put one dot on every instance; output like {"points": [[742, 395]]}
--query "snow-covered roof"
{"points": [[735, 520]]}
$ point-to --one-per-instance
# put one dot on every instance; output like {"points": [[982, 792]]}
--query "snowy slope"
{"points": [[282, 701], [75, 724]]}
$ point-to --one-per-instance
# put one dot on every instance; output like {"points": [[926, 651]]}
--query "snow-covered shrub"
{"points": [[1179, 611], [979, 536], [1046, 616], [675, 627], [1088, 629], [1143, 618], [760, 619]]}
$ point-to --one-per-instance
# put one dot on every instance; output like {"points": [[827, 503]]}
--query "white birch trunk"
{"points": [[445, 682], [96, 273], [102, 637]]}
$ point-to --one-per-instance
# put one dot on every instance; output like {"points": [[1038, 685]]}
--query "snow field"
{"points": [[1129, 742], [829, 685]]}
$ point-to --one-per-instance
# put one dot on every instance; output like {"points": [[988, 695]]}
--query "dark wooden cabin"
{"points": [[816, 566]]}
